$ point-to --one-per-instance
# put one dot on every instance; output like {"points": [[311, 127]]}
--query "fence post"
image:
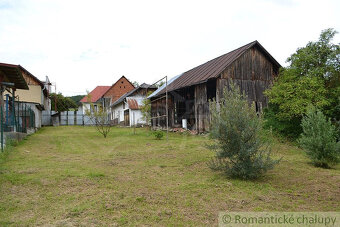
{"points": [[2, 128], [18, 112], [13, 116], [24, 118], [7, 109]]}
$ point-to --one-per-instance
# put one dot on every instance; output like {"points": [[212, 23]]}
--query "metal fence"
{"points": [[65, 118], [15, 116]]}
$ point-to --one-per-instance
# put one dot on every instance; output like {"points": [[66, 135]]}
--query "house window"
{"points": [[123, 105]]}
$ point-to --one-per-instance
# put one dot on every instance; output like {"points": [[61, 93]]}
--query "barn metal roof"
{"points": [[212, 68], [161, 88]]}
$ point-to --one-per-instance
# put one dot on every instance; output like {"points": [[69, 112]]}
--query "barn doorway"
{"points": [[184, 107]]}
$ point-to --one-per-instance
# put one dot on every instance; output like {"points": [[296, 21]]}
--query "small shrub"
{"points": [[238, 137], [158, 134], [319, 139]]}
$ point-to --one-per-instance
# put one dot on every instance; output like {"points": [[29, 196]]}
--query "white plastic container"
{"points": [[184, 123]]}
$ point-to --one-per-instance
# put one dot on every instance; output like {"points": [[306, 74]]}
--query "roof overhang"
{"points": [[13, 74]]}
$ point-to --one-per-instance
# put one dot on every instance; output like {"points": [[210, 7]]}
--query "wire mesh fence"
{"points": [[16, 116]]}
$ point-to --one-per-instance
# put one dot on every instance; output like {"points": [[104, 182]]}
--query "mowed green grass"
{"points": [[64, 176]]}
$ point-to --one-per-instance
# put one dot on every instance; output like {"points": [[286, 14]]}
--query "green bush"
{"points": [[158, 134], [290, 129], [238, 137], [312, 77], [319, 139]]}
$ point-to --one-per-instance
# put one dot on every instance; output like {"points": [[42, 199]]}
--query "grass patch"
{"points": [[64, 176]]}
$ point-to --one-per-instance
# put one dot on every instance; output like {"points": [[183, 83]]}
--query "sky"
{"points": [[82, 44]]}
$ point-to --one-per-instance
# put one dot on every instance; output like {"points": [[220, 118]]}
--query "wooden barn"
{"points": [[251, 67]]}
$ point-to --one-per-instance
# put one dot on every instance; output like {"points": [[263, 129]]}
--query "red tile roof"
{"points": [[96, 93]]}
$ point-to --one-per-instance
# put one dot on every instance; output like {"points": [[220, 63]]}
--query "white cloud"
{"points": [[81, 44]]}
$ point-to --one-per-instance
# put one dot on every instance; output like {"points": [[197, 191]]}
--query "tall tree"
{"points": [[312, 78], [61, 103]]}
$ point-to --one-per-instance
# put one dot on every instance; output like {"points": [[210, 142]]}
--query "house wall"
{"points": [[34, 94], [85, 106], [121, 87], [118, 113], [37, 113], [136, 117]]}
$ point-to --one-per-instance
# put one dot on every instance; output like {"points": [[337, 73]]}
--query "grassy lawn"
{"points": [[73, 176]]}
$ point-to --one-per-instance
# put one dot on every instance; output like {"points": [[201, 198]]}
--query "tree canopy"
{"points": [[63, 103], [311, 78]]}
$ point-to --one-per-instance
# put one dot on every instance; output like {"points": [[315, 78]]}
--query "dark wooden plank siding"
{"points": [[252, 72], [252, 65], [201, 107]]}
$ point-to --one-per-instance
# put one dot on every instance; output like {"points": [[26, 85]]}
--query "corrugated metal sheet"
{"points": [[212, 68], [133, 104]]}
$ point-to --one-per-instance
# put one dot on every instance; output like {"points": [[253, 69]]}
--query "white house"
{"points": [[126, 110], [96, 96]]}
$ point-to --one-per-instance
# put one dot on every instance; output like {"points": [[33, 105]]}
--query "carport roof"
{"points": [[13, 74]]}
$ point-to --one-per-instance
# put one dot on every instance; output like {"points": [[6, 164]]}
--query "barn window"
{"points": [[211, 89]]}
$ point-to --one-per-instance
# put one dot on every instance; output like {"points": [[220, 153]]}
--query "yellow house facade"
{"points": [[37, 96]]}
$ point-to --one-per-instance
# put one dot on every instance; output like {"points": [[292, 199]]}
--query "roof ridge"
{"points": [[250, 45], [214, 67]]}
